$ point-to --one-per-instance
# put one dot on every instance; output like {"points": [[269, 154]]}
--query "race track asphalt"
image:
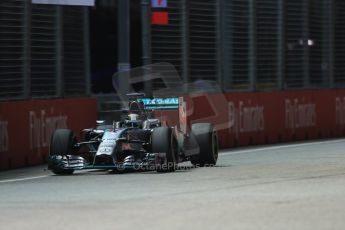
{"points": [[290, 186]]}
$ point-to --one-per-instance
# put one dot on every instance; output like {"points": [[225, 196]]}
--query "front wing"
{"points": [[74, 162]]}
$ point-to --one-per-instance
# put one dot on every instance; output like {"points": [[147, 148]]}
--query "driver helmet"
{"points": [[133, 120], [133, 117]]}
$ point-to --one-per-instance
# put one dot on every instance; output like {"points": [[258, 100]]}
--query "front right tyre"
{"points": [[62, 144]]}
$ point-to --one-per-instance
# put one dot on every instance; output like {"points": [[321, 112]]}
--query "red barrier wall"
{"points": [[26, 127], [240, 118], [270, 117]]}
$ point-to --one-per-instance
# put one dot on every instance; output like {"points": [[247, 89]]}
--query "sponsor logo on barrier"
{"points": [[299, 114], [4, 140], [340, 110], [245, 118], [42, 127]]}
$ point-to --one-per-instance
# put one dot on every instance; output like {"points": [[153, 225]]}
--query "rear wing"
{"points": [[160, 103]]}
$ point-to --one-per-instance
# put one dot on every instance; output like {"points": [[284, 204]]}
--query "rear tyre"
{"points": [[164, 141], [62, 144], [207, 139]]}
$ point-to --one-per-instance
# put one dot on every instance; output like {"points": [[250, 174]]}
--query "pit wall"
{"points": [[269, 117], [26, 127]]}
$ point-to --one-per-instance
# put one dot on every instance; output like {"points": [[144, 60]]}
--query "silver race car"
{"points": [[135, 142]]}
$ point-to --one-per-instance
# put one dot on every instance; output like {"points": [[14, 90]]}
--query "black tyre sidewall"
{"points": [[164, 141], [207, 139], [62, 143]]}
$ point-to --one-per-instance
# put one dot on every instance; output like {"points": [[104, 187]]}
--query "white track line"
{"points": [[23, 179], [280, 147]]}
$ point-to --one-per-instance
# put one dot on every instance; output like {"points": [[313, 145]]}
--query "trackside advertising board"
{"points": [[26, 127], [66, 2], [159, 3], [270, 117], [241, 119]]}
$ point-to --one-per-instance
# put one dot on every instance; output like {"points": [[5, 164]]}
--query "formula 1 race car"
{"points": [[135, 142]]}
